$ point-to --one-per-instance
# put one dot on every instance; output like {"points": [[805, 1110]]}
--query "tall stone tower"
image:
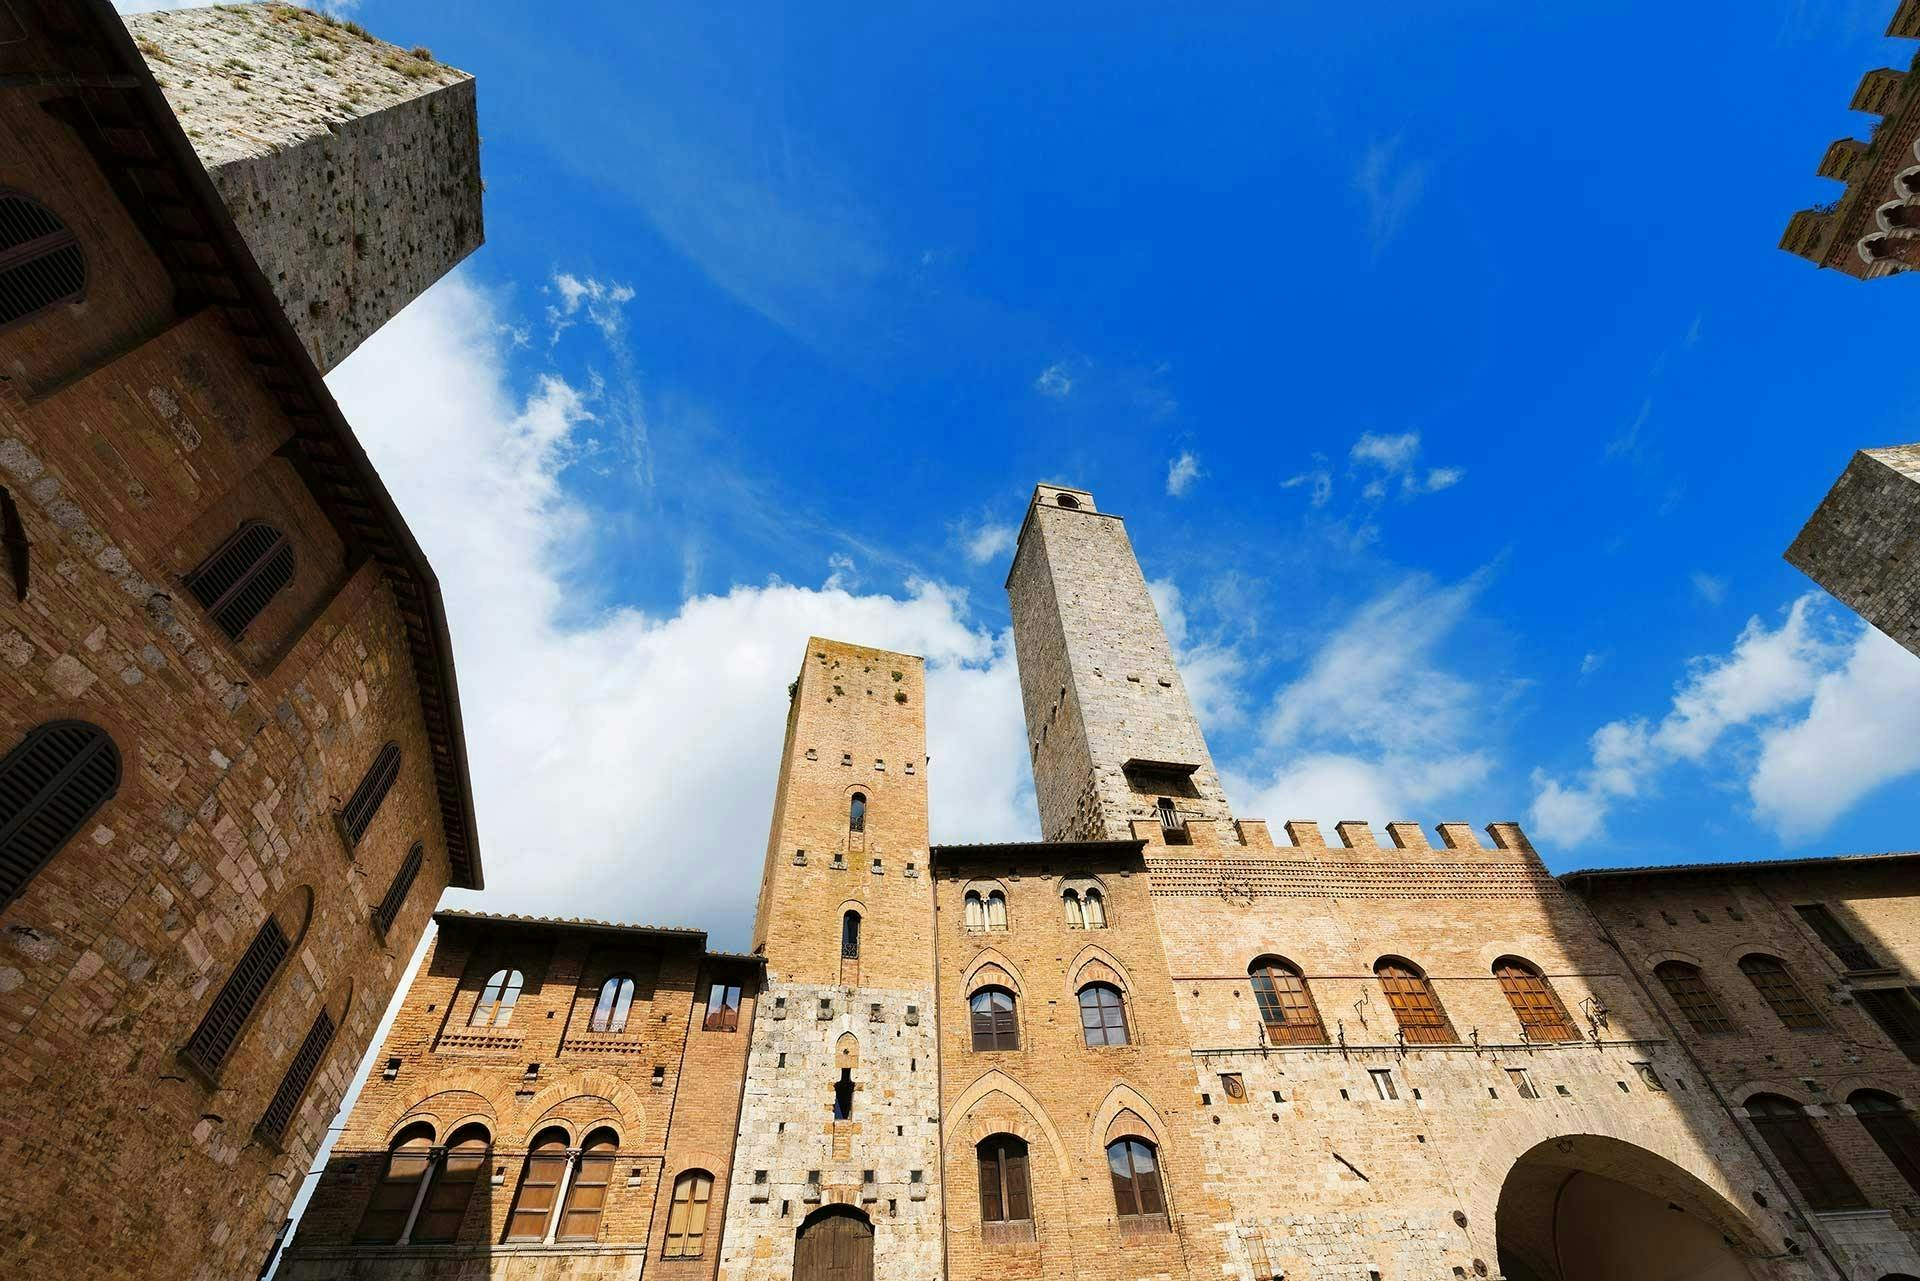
{"points": [[1112, 734], [839, 1127]]}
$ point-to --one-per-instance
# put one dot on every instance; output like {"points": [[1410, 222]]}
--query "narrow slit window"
{"points": [[299, 1074], [857, 813], [213, 1040], [850, 936], [389, 909], [50, 785]]}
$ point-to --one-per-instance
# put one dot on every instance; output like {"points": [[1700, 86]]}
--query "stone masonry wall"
{"points": [[1863, 542], [352, 166]]}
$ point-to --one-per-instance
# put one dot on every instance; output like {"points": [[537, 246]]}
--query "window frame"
{"points": [[850, 935], [724, 1017], [217, 584], [495, 1005], [550, 1145], [76, 763], [1132, 1185], [395, 900], [403, 1142], [682, 1208], [1108, 1014], [610, 1016], [1003, 1025], [1833, 934], [1799, 1149], [1686, 986], [1004, 1169], [1417, 1011], [369, 794], [1781, 992], [443, 1174], [596, 1156], [1892, 1129], [1541, 1014], [1280, 998]]}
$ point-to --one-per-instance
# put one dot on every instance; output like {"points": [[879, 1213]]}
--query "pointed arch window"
{"points": [[50, 785], [1103, 1015], [1287, 1011], [497, 999], [611, 1007], [850, 935], [1415, 1007], [450, 1184], [857, 813], [360, 808], [41, 262], [539, 1190], [1138, 1197], [244, 573], [587, 1190], [1893, 1128], [1696, 1001], [1796, 1144], [994, 1024], [1776, 987], [389, 910], [687, 1217], [1534, 1002], [409, 1158], [1006, 1199], [220, 1027]]}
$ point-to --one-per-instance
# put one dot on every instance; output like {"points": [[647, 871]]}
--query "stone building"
{"points": [[1863, 542], [232, 780]]}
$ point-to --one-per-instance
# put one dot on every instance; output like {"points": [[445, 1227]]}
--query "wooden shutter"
{"points": [[392, 1198], [299, 1074], [1893, 1129], [1796, 1144], [993, 1205], [41, 263], [587, 1193], [687, 1219], [1696, 1000], [1852, 953], [1415, 1008], [445, 1208], [390, 906], [539, 1184], [365, 801], [1777, 988], [1286, 1007], [1894, 1010], [50, 785], [1019, 1203], [243, 574], [1538, 1009], [219, 1028]]}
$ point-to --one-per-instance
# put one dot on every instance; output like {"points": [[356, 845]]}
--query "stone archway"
{"points": [[1590, 1208], [835, 1243]]}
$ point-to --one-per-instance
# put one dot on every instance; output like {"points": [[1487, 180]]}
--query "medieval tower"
{"points": [[1111, 732]]}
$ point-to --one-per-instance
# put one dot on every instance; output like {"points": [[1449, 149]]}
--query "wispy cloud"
{"points": [[1055, 380], [1709, 588], [988, 541], [1390, 460], [1627, 443], [1182, 471], [1590, 663], [1391, 186], [1318, 481]]}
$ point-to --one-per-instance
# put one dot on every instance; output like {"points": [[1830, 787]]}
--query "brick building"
{"points": [[232, 781]]}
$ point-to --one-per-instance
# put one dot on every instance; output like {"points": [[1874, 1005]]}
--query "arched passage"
{"points": [[1589, 1208], [835, 1243]]}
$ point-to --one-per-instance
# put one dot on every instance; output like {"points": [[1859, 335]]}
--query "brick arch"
{"points": [[1093, 955], [445, 1109], [628, 1106], [578, 1116], [1844, 1086], [1528, 948], [1123, 1097], [978, 1113], [1738, 1095], [991, 956], [1654, 960]]}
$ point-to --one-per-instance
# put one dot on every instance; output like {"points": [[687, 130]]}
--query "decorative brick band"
{"points": [[1248, 879]]}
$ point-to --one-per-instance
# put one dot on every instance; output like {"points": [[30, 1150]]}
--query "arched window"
{"points": [[389, 910], [243, 574], [533, 1200], [450, 1186], [1137, 1195], [41, 264], [1103, 1014], [587, 1190], [1696, 1000], [687, 1218], [1006, 1201], [1893, 1128], [1066, 500], [1796, 1144], [850, 935], [1541, 1015], [842, 1106], [360, 808], [610, 1010], [1778, 990], [1286, 1006], [996, 910], [409, 1158], [857, 813], [294, 1081], [1415, 1008], [1096, 909], [497, 999], [1076, 911], [50, 785], [994, 1025], [220, 1027], [976, 911]]}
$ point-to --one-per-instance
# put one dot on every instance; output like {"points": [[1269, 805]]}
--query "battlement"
{"points": [[1245, 838]]}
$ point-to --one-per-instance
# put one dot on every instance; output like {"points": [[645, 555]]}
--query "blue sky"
{"points": [[1440, 358]]}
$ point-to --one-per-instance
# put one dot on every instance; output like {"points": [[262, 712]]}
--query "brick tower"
{"points": [[1112, 734], [839, 1131]]}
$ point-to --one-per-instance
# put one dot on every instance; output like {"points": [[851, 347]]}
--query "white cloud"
{"points": [[1627, 443], [1054, 381], [1211, 671], [1181, 473], [1439, 478], [1391, 186], [1590, 663], [1394, 458], [1709, 588], [602, 301], [1391, 453], [624, 766], [989, 541], [1814, 713], [1320, 479]]}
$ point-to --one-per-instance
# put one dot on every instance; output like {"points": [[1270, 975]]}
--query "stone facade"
{"points": [[1863, 542], [168, 1076], [351, 166], [661, 1080]]}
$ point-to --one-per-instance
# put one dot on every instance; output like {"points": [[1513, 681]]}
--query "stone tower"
{"points": [[1863, 542], [839, 1127], [1112, 734], [351, 166]]}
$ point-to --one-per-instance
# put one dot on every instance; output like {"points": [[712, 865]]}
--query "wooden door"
{"points": [[837, 1246]]}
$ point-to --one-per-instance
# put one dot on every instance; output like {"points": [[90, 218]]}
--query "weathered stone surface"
{"points": [[1863, 541]]}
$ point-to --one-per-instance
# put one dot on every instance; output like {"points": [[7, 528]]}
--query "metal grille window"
{"points": [[1897, 1014], [723, 1008], [50, 785], [587, 1191], [357, 814], [1415, 1008], [450, 1186], [389, 910], [1777, 988], [1103, 1014], [994, 1024], [391, 1204], [1696, 1000], [1852, 952], [236, 582], [41, 263], [1541, 1015], [1893, 1129], [1796, 1144], [1137, 1195], [610, 1010], [1006, 1202], [219, 1028], [299, 1075], [539, 1189], [687, 1218], [850, 936], [1286, 1006]]}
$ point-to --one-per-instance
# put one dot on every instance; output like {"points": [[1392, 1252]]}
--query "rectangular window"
{"points": [[1522, 1082], [1383, 1083], [1852, 953], [723, 1008]]}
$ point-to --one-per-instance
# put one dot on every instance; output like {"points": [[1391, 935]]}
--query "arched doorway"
{"points": [[835, 1244], [1588, 1208]]}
